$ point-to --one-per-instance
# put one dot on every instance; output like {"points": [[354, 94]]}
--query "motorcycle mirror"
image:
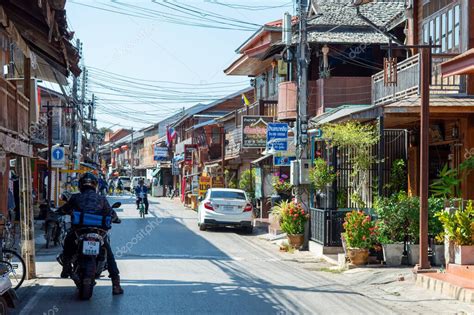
{"points": [[116, 205]]}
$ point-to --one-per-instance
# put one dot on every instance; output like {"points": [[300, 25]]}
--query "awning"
{"points": [[261, 159], [339, 113], [461, 64]]}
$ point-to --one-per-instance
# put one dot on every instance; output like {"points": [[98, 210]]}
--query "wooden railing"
{"points": [[408, 73], [14, 110]]}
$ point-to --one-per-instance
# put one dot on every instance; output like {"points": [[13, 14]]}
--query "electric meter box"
{"points": [[304, 166], [294, 173]]}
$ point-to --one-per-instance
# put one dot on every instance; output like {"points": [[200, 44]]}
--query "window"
{"points": [[450, 29], [426, 33], [437, 38], [226, 194], [443, 32], [432, 29], [457, 26]]}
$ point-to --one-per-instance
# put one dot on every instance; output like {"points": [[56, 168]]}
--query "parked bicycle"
{"points": [[11, 260], [141, 207], [172, 192]]}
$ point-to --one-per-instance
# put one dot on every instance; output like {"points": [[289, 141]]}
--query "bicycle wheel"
{"points": [[17, 272]]}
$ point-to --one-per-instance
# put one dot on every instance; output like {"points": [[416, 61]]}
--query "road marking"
{"points": [[31, 305], [203, 257]]}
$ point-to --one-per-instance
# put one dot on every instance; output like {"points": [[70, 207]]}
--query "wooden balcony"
{"points": [[408, 73], [14, 110], [287, 101]]}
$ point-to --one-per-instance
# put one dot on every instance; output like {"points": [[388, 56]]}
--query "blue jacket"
{"points": [[141, 189]]}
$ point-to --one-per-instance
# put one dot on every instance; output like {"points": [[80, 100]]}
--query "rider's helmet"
{"points": [[141, 182], [88, 180]]}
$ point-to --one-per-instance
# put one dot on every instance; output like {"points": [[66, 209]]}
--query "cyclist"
{"points": [[119, 186], [141, 192]]}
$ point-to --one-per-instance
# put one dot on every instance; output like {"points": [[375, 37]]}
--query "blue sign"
{"points": [[58, 154], [283, 160], [160, 153], [277, 136]]}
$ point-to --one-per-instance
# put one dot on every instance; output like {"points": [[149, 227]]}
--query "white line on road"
{"points": [[31, 305]]}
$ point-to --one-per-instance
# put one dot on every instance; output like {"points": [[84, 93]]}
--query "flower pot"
{"points": [[413, 254], [295, 240], [392, 254], [464, 255], [358, 256], [438, 255]]}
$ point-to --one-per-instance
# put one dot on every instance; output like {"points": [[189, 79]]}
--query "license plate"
{"points": [[227, 208], [90, 248]]}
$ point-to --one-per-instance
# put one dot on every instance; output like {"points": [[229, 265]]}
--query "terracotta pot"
{"points": [[295, 240], [358, 256], [464, 255]]}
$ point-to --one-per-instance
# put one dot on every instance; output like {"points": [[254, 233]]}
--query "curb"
{"points": [[445, 288]]}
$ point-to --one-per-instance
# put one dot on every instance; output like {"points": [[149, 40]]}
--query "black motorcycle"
{"points": [[56, 226], [90, 259]]}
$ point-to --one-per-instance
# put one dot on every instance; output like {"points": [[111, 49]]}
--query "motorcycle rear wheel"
{"points": [[3, 306]]}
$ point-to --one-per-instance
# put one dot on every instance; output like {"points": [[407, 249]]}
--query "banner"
{"points": [[254, 131], [281, 160], [204, 185], [277, 136], [258, 184], [160, 153]]}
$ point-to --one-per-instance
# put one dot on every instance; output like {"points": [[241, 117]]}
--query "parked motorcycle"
{"points": [[91, 256], [56, 226], [8, 297]]}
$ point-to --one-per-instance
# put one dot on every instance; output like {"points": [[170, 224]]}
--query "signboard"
{"points": [[188, 153], [57, 157], [175, 167], [258, 184], [204, 185], [318, 133], [218, 182], [281, 160], [254, 131], [160, 153], [277, 136], [195, 185]]}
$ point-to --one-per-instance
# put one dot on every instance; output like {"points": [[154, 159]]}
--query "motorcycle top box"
{"points": [[93, 220]]}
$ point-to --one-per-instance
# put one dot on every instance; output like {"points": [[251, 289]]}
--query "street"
{"points": [[168, 266]]}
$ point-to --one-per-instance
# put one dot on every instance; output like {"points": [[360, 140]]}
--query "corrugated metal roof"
{"points": [[337, 114]]}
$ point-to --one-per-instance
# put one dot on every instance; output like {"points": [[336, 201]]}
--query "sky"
{"points": [[121, 51]]}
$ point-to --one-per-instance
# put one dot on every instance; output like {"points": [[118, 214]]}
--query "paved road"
{"points": [[169, 266]]}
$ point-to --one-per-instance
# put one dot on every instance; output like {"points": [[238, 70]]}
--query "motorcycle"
{"points": [[90, 259], [8, 296], [55, 226]]}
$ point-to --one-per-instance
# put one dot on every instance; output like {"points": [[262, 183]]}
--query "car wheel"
{"points": [[248, 229], [202, 227]]}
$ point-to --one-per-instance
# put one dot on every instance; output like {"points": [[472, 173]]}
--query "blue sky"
{"points": [[193, 57]]}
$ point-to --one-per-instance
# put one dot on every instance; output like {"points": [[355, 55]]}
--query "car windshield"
{"points": [[125, 178], [221, 194]]}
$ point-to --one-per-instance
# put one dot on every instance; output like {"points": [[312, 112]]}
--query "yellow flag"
{"points": [[245, 100]]}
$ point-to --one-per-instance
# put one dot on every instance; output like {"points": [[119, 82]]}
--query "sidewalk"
{"points": [[395, 287]]}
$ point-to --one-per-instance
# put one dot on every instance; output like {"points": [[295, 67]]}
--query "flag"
{"points": [[170, 135], [245, 100]]}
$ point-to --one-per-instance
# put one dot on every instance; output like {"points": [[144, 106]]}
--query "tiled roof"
{"points": [[381, 13], [348, 36]]}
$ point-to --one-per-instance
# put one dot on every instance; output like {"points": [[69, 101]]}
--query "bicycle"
{"points": [[141, 207], [16, 267]]}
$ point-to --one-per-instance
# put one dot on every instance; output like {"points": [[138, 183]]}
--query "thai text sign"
{"points": [[160, 153], [254, 131], [277, 136], [218, 182], [204, 185]]}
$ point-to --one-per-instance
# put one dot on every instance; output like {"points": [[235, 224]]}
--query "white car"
{"points": [[225, 207]]}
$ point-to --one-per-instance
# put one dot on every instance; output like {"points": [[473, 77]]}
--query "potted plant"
{"points": [[459, 228], [435, 228], [292, 222], [282, 186], [275, 216], [360, 235], [398, 220]]}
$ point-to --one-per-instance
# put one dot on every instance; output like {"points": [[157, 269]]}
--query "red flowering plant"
{"points": [[293, 218], [360, 230]]}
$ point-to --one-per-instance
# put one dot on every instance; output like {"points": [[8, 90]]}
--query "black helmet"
{"points": [[88, 180]]}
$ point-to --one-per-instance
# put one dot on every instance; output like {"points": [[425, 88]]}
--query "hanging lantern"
{"points": [[390, 75]]}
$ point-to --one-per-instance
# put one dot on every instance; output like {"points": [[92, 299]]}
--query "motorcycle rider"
{"points": [[141, 192], [89, 200]]}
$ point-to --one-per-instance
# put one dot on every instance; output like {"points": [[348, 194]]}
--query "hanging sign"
{"points": [[188, 153], [160, 153], [254, 131], [218, 182], [277, 136]]}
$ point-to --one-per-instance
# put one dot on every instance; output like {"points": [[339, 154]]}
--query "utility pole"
{"points": [[302, 119], [50, 146], [131, 158]]}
